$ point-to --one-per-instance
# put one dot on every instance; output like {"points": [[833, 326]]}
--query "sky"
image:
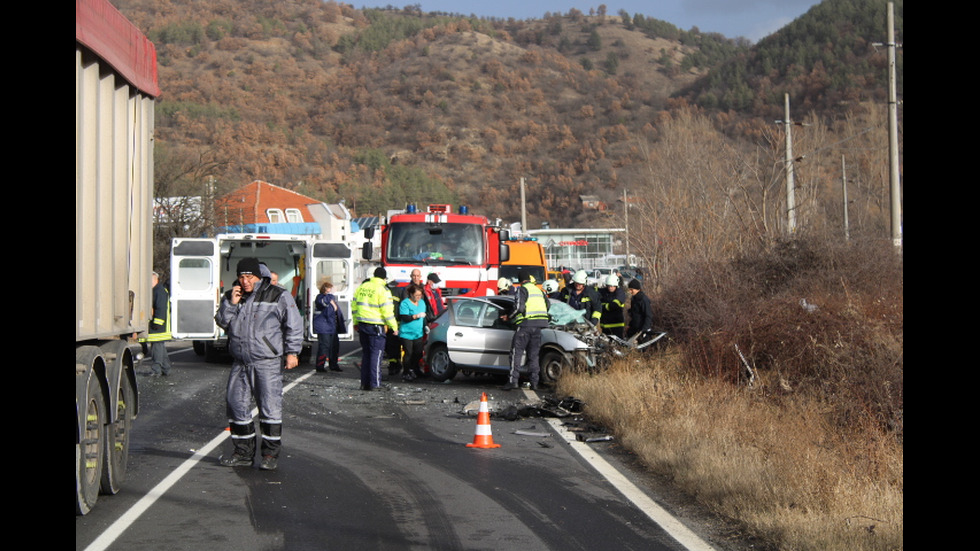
{"points": [[752, 19]]}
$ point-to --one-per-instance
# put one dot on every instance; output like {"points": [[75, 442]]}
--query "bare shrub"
{"points": [[804, 315]]}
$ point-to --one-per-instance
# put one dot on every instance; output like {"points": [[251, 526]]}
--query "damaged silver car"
{"points": [[470, 337]]}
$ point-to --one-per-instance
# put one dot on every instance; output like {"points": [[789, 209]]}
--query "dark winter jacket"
{"points": [[587, 300], [641, 315], [613, 308], [159, 329], [263, 325], [325, 319]]}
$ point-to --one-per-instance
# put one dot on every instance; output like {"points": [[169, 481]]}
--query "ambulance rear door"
{"points": [[195, 288], [333, 261]]}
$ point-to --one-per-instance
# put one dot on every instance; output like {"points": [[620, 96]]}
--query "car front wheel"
{"points": [[441, 368], [553, 363]]}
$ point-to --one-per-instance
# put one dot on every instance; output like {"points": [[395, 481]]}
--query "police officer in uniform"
{"points": [[530, 313], [373, 310]]}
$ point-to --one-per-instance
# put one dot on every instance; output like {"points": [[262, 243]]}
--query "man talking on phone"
{"points": [[265, 334]]}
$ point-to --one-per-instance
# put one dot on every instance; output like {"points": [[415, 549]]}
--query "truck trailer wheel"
{"points": [[90, 449], [116, 439]]}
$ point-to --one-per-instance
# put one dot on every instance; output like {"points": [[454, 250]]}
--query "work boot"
{"points": [[235, 460], [509, 386], [269, 463], [271, 437], [243, 438]]}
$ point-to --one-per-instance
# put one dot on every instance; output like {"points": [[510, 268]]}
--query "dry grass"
{"points": [[783, 469]]}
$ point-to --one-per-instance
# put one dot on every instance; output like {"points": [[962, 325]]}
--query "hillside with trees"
{"points": [[384, 106]]}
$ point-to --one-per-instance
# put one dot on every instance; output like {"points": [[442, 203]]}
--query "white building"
{"points": [[578, 248]]}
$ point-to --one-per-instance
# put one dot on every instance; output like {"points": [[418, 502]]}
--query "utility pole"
{"points": [[790, 184], [626, 208], [843, 177], [523, 210], [896, 190]]}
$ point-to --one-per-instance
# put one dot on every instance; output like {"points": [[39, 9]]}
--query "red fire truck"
{"points": [[463, 249]]}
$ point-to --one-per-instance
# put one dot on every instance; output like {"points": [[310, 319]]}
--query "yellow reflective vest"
{"points": [[536, 305], [373, 304]]}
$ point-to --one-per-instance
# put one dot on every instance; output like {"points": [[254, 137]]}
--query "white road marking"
{"points": [[657, 514], [122, 523]]}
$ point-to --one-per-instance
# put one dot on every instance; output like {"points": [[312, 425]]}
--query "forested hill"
{"points": [[828, 60], [380, 107]]}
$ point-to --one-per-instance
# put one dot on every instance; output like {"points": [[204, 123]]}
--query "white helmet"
{"points": [[550, 286], [503, 283], [580, 277], [612, 280]]}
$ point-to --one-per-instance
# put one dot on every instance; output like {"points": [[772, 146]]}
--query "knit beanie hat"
{"points": [[249, 266]]}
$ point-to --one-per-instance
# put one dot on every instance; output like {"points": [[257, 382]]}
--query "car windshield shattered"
{"points": [[563, 314]]}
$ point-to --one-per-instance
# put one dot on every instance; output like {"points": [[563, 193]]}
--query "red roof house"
{"points": [[261, 203]]}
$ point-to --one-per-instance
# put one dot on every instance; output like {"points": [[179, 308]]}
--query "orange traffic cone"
{"points": [[483, 438]]}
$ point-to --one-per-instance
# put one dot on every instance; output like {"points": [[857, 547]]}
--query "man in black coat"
{"points": [[640, 312]]}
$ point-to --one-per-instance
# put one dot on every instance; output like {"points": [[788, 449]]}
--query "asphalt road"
{"points": [[387, 469]]}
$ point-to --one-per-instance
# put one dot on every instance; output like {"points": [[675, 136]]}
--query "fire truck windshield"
{"points": [[413, 242]]}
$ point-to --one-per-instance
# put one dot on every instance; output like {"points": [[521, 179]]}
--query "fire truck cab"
{"points": [[465, 250]]}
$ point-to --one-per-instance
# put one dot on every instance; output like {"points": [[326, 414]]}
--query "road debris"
{"points": [[529, 433]]}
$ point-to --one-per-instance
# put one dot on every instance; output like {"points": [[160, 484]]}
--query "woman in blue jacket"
{"points": [[325, 326], [411, 320]]}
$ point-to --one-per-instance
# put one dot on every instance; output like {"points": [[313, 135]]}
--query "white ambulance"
{"points": [[202, 269]]}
